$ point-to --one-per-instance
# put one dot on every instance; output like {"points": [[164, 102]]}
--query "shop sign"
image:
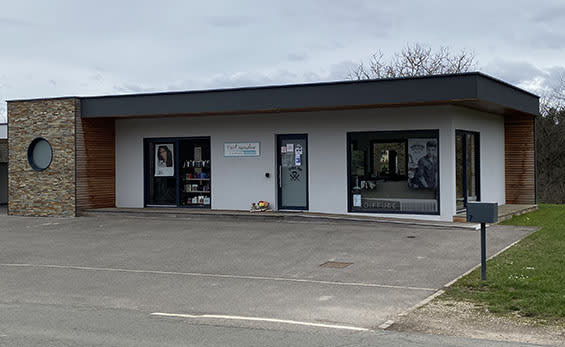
{"points": [[386, 205], [242, 149]]}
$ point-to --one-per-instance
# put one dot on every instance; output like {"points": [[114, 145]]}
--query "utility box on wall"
{"points": [[482, 212]]}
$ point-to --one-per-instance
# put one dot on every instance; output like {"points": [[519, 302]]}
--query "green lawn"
{"points": [[529, 278]]}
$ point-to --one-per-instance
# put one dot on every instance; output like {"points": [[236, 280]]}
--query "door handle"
{"points": [[280, 176]]}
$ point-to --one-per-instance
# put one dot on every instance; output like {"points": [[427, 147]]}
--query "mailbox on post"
{"points": [[483, 212]]}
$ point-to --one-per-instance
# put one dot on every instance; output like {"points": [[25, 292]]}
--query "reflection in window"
{"points": [[394, 172], [389, 159]]}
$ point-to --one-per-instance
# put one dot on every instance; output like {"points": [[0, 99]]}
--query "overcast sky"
{"points": [[56, 47]]}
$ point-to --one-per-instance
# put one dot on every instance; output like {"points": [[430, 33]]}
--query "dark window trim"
{"points": [[30, 148], [477, 135], [146, 173], [306, 156], [419, 133]]}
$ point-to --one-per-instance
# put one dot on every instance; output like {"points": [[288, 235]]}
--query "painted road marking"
{"points": [[257, 319], [386, 324], [198, 274]]}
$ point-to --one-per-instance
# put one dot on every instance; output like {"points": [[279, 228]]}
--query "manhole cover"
{"points": [[335, 264]]}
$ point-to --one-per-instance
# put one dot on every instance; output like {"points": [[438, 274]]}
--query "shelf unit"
{"points": [[196, 191]]}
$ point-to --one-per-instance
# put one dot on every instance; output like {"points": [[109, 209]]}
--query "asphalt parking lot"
{"points": [[205, 266]]}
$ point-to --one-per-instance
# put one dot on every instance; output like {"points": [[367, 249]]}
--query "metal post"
{"points": [[483, 252]]}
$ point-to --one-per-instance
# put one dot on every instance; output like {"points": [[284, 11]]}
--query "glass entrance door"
{"points": [[467, 160], [292, 172], [161, 173]]}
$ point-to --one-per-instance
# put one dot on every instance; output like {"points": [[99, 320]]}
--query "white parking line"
{"points": [[386, 324], [197, 274], [258, 319]]}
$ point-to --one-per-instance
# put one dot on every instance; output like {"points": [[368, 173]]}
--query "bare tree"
{"points": [[550, 146], [3, 117], [555, 98], [415, 60]]}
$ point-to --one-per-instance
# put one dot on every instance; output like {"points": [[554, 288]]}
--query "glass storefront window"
{"points": [[178, 172], [394, 172]]}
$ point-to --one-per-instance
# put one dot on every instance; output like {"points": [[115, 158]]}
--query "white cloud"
{"points": [[540, 81], [514, 72]]}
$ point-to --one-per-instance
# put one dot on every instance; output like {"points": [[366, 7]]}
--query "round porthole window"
{"points": [[39, 154]]}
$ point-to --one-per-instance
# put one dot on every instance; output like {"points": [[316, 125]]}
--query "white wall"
{"points": [[492, 167], [3, 131], [236, 182]]}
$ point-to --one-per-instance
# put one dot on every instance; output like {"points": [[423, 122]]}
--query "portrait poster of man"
{"points": [[422, 163], [164, 162]]}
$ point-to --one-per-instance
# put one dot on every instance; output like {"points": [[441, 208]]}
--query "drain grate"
{"points": [[335, 264]]}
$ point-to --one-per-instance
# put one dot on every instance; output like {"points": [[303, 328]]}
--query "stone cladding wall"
{"points": [[51, 192]]}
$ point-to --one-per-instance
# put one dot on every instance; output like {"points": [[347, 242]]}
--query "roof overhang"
{"points": [[474, 90]]}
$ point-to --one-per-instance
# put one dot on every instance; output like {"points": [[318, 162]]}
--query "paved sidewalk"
{"points": [[271, 216]]}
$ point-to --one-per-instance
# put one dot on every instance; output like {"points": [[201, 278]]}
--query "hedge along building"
{"points": [[411, 147]]}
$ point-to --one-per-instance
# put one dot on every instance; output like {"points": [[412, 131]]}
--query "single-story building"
{"points": [[3, 163], [419, 147]]}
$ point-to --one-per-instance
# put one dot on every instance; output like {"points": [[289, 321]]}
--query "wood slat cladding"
{"points": [[95, 163], [519, 148]]}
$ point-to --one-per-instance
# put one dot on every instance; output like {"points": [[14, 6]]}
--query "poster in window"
{"points": [[356, 200], [164, 160], [297, 160], [290, 147], [422, 163]]}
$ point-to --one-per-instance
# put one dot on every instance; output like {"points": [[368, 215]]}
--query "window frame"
{"points": [[395, 136], [30, 150]]}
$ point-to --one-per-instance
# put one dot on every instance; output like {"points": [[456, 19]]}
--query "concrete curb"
{"points": [[279, 217]]}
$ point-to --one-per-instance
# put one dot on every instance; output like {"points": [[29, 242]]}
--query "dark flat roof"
{"points": [[474, 89]]}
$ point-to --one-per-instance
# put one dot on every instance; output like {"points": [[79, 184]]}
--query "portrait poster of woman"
{"points": [[164, 160]]}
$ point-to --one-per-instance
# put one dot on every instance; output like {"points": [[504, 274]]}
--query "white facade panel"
{"points": [[238, 181], [492, 166]]}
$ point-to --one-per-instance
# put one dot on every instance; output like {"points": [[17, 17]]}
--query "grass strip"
{"points": [[528, 279]]}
